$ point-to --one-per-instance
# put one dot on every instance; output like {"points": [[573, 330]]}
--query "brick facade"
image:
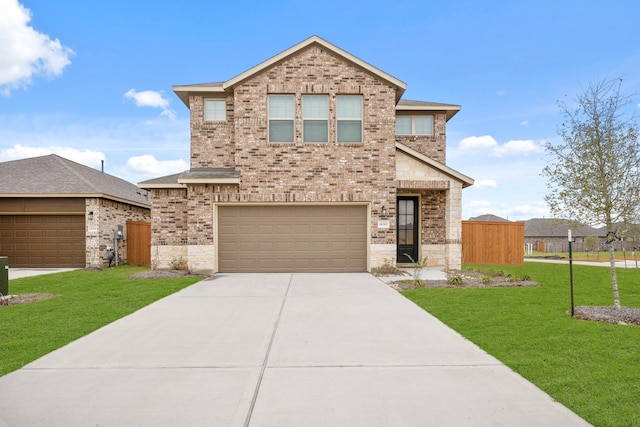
{"points": [[183, 219], [107, 216]]}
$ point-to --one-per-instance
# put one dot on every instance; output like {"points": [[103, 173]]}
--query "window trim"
{"points": [[350, 119], [281, 119], [204, 109], [413, 124], [314, 119]]}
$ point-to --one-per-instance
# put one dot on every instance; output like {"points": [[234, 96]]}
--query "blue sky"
{"points": [[92, 81]]}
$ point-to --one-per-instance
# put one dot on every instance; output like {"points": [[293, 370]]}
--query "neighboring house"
{"points": [[489, 218], [58, 213], [309, 161], [551, 235]]}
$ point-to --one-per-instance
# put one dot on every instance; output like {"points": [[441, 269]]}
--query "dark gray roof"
{"points": [[413, 103], [55, 175], [550, 227], [194, 173], [489, 218]]}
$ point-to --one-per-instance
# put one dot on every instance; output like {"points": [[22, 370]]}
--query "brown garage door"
{"points": [[43, 240], [292, 238]]}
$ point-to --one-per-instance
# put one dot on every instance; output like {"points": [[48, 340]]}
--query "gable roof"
{"points": [[489, 218], [552, 227], [465, 180], [183, 91], [55, 176]]}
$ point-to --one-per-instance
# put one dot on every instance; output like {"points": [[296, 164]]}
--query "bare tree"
{"points": [[594, 173]]}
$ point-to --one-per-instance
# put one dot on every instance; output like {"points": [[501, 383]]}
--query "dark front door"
{"points": [[407, 229]]}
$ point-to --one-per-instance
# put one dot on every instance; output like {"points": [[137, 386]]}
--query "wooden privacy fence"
{"points": [[139, 243], [499, 243]]}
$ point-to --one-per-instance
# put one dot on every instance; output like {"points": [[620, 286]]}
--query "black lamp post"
{"points": [[570, 268]]}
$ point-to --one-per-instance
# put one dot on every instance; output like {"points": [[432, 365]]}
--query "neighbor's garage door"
{"points": [[43, 240], [292, 238]]}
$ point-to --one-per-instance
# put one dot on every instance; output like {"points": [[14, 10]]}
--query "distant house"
{"points": [[58, 213], [551, 235], [488, 218]]}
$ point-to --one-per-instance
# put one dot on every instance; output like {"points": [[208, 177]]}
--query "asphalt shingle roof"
{"points": [[550, 227], [53, 174], [195, 173], [489, 218]]}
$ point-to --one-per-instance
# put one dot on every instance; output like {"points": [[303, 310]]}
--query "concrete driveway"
{"points": [[276, 350]]}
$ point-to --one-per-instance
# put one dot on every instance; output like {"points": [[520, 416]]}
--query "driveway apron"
{"points": [[288, 349]]}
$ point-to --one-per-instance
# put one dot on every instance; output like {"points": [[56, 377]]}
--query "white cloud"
{"points": [[518, 147], [86, 157], [148, 166], [501, 92], [485, 183], [150, 98], [473, 143], [524, 123], [24, 52]]}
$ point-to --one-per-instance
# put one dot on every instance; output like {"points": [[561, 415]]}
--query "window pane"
{"points": [[349, 131], [281, 106], [315, 107], [349, 106], [316, 131], [214, 110], [424, 125], [281, 130], [403, 125]]}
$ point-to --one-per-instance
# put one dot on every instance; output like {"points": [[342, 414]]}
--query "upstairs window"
{"points": [[315, 118], [215, 110], [281, 115], [349, 118], [414, 125]]}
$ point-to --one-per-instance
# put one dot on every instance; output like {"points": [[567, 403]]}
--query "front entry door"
{"points": [[407, 229]]}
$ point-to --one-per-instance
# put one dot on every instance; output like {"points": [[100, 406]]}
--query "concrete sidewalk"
{"points": [[18, 273], [276, 349]]}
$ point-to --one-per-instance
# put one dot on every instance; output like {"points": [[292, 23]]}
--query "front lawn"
{"points": [[86, 301], [591, 367]]}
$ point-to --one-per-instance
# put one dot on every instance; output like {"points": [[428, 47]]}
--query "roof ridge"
{"points": [[64, 163]]}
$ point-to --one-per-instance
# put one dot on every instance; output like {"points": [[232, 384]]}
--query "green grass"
{"points": [[87, 301], [591, 367], [597, 256]]}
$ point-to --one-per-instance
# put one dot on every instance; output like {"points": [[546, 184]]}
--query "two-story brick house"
{"points": [[309, 161]]}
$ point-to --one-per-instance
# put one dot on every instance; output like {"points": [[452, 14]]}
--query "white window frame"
{"points": [[349, 119], [281, 118], [413, 124], [215, 111], [324, 119]]}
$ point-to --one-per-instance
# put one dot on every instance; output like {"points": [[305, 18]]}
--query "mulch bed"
{"points": [[24, 298]]}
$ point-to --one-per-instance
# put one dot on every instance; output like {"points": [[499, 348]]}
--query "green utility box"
{"points": [[4, 275]]}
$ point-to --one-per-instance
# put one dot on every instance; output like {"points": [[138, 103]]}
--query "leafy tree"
{"points": [[590, 243], [594, 174]]}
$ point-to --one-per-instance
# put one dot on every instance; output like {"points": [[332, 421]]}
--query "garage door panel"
{"points": [[292, 238], [43, 240]]}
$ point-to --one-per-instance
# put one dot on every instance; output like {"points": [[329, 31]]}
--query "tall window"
{"points": [[414, 125], [215, 110], [281, 114], [349, 118], [315, 118]]}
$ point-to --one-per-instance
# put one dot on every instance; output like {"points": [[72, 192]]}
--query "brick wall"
{"points": [[169, 217], [434, 146], [107, 216], [212, 143]]}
